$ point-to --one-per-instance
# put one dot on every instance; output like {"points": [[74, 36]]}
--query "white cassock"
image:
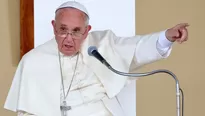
{"points": [[36, 88]]}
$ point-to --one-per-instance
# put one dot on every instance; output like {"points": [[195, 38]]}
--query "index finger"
{"points": [[181, 25], [184, 33]]}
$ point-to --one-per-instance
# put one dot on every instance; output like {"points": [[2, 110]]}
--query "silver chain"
{"points": [[62, 82]]}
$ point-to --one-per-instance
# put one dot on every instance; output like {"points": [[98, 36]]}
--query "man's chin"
{"points": [[69, 53]]}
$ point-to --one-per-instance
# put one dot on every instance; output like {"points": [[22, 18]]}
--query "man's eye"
{"points": [[63, 29], [76, 30]]}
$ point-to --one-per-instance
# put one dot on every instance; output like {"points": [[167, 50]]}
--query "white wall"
{"points": [[118, 15]]}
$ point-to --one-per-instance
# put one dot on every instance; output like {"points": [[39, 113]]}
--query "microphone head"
{"points": [[91, 49]]}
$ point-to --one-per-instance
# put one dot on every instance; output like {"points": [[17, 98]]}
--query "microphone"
{"points": [[92, 51]]}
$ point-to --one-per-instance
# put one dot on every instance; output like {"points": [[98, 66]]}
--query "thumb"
{"points": [[176, 33]]}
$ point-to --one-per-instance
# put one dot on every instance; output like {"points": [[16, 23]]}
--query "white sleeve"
{"points": [[163, 44]]}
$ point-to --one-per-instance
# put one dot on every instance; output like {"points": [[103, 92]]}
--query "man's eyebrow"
{"points": [[76, 29]]}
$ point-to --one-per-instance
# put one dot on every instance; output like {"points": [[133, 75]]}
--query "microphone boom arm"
{"points": [[92, 51], [151, 73]]}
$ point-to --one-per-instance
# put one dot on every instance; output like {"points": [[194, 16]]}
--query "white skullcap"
{"points": [[74, 4]]}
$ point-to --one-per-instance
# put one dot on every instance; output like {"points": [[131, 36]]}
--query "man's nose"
{"points": [[69, 37]]}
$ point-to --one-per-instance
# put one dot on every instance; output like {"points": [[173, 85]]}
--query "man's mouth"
{"points": [[68, 46]]}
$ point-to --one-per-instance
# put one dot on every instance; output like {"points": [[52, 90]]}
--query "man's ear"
{"points": [[53, 24], [87, 31], [89, 28]]}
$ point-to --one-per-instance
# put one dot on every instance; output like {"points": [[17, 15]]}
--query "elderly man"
{"points": [[59, 78]]}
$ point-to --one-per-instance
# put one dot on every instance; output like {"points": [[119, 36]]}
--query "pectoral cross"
{"points": [[64, 108]]}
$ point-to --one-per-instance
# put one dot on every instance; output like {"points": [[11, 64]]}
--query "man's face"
{"points": [[70, 30]]}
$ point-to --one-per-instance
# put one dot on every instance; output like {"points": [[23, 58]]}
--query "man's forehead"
{"points": [[64, 25], [70, 14], [69, 11], [73, 27]]}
